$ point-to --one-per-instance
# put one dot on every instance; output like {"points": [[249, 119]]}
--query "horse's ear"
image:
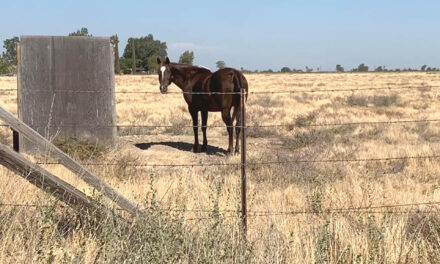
{"points": [[158, 60], [167, 60]]}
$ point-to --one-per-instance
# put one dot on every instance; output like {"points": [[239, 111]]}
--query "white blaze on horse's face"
{"points": [[162, 69], [164, 78]]}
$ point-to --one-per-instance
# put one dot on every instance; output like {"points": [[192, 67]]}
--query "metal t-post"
{"points": [[243, 160]]}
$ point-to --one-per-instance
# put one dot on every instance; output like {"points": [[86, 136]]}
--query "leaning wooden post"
{"points": [[46, 181], [243, 160], [64, 159]]}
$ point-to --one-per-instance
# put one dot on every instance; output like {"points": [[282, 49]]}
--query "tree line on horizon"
{"points": [[140, 56], [361, 68]]}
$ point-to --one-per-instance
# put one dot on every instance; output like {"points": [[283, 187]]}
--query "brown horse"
{"points": [[205, 91]]}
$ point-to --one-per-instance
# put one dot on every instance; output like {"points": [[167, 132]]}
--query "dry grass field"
{"points": [[50, 234]]}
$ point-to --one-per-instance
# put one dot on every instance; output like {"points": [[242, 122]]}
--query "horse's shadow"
{"points": [[212, 150]]}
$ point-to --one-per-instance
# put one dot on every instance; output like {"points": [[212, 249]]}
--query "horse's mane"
{"points": [[189, 67]]}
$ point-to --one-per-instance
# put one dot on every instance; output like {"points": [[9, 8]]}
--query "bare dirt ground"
{"points": [[373, 236]]}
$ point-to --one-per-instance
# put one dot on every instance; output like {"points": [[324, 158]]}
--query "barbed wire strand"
{"points": [[293, 125], [420, 86], [365, 209], [251, 163]]}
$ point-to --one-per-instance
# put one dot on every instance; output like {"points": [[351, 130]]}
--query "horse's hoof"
{"points": [[196, 149], [204, 149], [237, 152]]}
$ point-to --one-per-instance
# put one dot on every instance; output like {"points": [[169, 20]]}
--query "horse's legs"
{"points": [[195, 118], [204, 123], [237, 115], [226, 116]]}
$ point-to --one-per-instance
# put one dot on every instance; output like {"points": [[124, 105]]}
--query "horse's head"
{"points": [[164, 72]]}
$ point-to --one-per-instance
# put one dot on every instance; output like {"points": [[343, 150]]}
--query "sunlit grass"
{"points": [[372, 237]]}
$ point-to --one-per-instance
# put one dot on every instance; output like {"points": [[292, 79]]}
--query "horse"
{"points": [[205, 92]]}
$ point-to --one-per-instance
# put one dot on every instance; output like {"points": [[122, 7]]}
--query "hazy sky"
{"points": [[251, 34]]}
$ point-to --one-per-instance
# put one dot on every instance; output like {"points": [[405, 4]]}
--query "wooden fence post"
{"points": [[15, 135], [15, 141]]}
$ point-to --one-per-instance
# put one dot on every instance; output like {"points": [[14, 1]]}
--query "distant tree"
{"points": [[243, 70], [187, 57], [114, 40], [220, 64], [10, 54], [379, 69], [309, 69], [361, 68], [3, 66], [423, 68], [6, 67], [127, 65], [286, 69], [84, 32], [339, 68], [152, 63], [147, 49]]}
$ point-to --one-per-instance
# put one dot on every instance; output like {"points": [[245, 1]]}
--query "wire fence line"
{"points": [[292, 125], [419, 86], [385, 209], [427, 157], [372, 209]]}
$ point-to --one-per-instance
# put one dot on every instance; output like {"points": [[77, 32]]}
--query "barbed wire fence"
{"points": [[271, 91], [408, 208], [373, 209]]}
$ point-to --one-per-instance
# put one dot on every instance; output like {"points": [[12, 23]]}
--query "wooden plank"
{"points": [[68, 162], [45, 180]]}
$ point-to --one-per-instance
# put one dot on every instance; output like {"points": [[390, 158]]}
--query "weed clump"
{"points": [[357, 100], [376, 100], [385, 100], [81, 149]]}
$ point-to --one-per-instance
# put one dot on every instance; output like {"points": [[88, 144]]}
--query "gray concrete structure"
{"points": [[66, 88]]}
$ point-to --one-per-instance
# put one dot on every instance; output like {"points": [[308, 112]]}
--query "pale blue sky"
{"points": [[251, 34]]}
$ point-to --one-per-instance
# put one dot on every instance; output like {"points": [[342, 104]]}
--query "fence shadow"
{"points": [[212, 150]]}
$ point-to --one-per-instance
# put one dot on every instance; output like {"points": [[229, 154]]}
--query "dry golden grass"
{"points": [[369, 237]]}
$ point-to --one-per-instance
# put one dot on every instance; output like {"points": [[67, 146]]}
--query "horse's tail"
{"points": [[240, 83]]}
